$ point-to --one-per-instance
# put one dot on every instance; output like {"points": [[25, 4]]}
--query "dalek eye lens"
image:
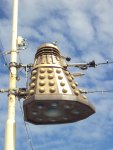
{"points": [[53, 120], [40, 106], [67, 106], [34, 113], [65, 118], [76, 112], [40, 119], [54, 104], [52, 112]]}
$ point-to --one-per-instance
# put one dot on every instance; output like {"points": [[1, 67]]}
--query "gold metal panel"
{"points": [[53, 96]]}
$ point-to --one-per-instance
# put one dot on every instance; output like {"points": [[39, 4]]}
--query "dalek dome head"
{"points": [[49, 45], [47, 48], [53, 95]]}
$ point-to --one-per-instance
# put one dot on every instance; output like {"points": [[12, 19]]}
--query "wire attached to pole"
{"points": [[85, 66], [27, 129], [97, 91], [2, 54]]}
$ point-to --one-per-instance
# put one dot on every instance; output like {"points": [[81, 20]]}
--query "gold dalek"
{"points": [[53, 96]]}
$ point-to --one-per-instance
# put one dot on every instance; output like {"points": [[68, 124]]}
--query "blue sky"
{"points": [[83, 30]]}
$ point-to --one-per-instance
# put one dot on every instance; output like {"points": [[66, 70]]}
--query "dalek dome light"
{"points": [[53, 95], [48, 45]]}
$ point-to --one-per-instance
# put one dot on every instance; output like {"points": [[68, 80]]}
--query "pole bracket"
{"points": [[24, 65], [21, 92], [13, 64]]}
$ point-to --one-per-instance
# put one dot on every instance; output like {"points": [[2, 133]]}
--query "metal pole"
{"points": [[10, 133]]}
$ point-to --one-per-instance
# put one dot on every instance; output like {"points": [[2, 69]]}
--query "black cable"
{"points": [[21, 71], [105, 63], [27, 70], [4, 59], [85, 66], [97, 91], [20, 63], [28, 73], [27, 130]]}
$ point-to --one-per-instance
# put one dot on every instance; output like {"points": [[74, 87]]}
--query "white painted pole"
{"points": [[10, 133]]}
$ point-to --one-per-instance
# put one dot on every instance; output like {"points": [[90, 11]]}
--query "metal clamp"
{"points": [[12, 91], [21, 92], [13, 64]]}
